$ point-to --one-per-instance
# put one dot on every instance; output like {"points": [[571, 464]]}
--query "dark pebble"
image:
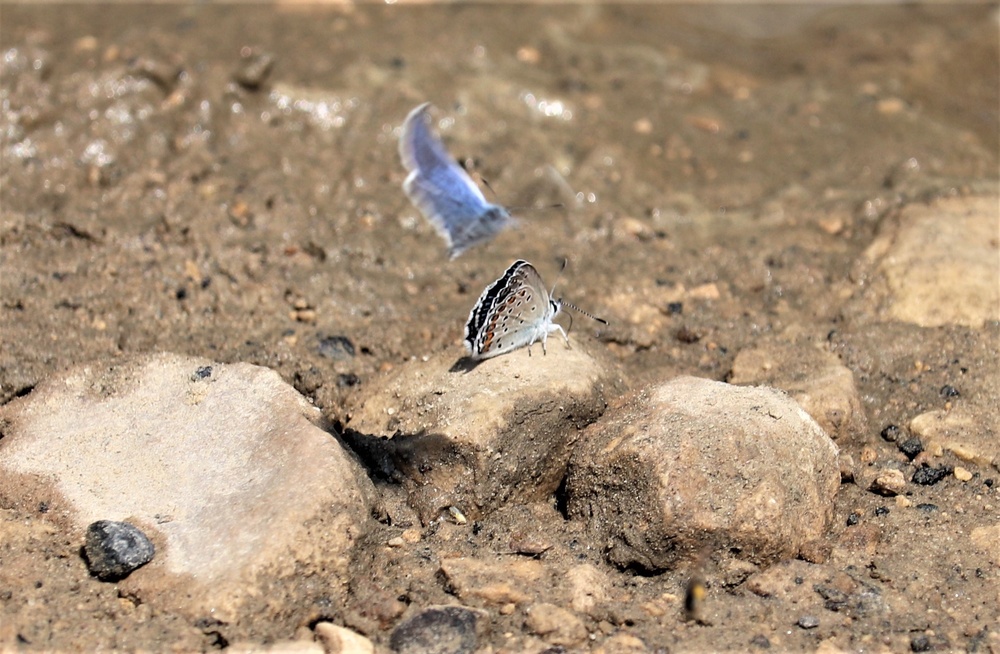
{"points": [[891, 433], [203, 372], [687, 335], [881, 511], [760, 641], [988, 482], [675, 308], [115, 549], [927, 507], [949, 391], [911, 447], [436, 630], [336, 347], [348, 379], [920, 644], [853, 519], [808, 622], [927, 476]]}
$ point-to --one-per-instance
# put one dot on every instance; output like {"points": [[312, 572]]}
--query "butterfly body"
{"points": [[442, 191], [513, 312]]}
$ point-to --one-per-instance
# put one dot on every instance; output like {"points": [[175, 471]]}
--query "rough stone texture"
{"points": [[115, 549], [693, 462], [341, 640], [814, 378], [969, 432], [939, 262], [439, 630], [484, 436], [555, 625], [221, 465], [493, 582]]}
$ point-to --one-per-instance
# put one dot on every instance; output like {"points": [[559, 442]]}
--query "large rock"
{"points": [[479, 437], [222, 466], [694, 463], [814, 378]]}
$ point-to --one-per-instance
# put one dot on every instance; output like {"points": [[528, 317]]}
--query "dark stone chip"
{"points": [[203, 372], [911, 447], [115, 549], [436, 630], [808, 622], [881, 510], [687, 335], [853, 519], [949, 391], [928, 476], [336, 347], [675, 308], [920, 643], [760, 641], [348, 379], [927, 507], [891, 433]]}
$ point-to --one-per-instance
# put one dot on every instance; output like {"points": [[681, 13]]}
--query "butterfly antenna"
{"points": [[579, 310]]}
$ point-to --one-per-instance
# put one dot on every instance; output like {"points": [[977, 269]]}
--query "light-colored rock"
{"points": [[940, 262], [279, 647], [221, 465], [588, 587], [621, 643], [555, 625], [814, 378], [970, 430], [341, 640], [888, 481], [483, 437], [694, 462], [493, 582]]}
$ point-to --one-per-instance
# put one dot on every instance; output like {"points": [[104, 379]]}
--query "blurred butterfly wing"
{"points": [[442, 191], [513, 312]]}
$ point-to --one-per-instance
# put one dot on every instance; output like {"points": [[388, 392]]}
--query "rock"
{"points": [[621, 643], [115, 549], [587, 588], [480, 438], [439, 630], [888, 482], [694, 463], [555, 625], [340, 640], [988, 539], [497, 583], [813, 377], [928, 476], [969, 430], [937, 264], [961, 474], [279, 647], [222, 463], [808, 622]]}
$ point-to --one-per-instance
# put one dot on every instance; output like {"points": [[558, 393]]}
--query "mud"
{"points": [[224, 183]]}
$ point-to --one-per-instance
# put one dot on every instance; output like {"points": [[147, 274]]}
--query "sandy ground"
{"points": [[225, 183]]}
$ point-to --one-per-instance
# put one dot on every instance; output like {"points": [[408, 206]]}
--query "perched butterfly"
{"points": [[443, 191], [514, 311]]}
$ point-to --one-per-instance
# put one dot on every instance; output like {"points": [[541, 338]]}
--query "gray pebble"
{"points": [[115, 549], [436, 630], [808, 622]]}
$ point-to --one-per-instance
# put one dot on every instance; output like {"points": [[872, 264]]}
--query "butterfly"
{"points": [[443, 191], [514, 311]]}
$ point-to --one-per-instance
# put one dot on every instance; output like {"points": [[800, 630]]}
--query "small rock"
{"points": [[651, 484], [438, 630], [888, 482], [555, 625], [962, 474], [911, 447], [395, 542], [491, 582], [587, 588], [340, 640], [920, 643], [891, 433], [337, 348], [808, 622], [115, 549], [760, 641], [928, 476]]}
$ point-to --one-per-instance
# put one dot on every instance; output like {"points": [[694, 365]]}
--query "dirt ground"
{"points": [[224, 182]]}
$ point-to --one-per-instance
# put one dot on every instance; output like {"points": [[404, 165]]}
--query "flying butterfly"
{"points": [[443, 192]]}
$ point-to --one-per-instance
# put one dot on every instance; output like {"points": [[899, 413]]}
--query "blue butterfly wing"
{"points": [[442, 191]]}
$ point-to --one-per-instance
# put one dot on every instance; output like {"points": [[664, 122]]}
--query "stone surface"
{"points": [[115, 549], [970, 430], [587, 588], [221, 464], [484, 436], [492, 582], [693, 463], [341, 640], [555, 625], [814, 378], [439, 630], [939, 262]]}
